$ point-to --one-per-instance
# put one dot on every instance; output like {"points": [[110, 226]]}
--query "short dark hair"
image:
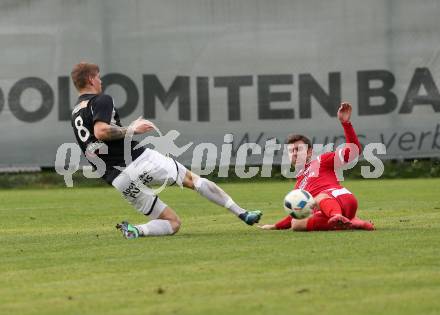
{"points": [[81, 72], [292, 138]]}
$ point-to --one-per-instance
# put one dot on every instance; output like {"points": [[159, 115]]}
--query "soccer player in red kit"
{"points": [[335, 205]]}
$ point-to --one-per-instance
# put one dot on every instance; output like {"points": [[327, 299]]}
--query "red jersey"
{"points": [[319, 174]]}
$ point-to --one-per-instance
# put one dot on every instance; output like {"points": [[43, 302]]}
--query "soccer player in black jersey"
{"points": [[99, 133]]}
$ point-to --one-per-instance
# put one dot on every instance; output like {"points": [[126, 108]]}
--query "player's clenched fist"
{"points": [[344, 112]]}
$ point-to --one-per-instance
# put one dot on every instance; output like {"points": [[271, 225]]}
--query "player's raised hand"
{"points": [[344, 112], [141, 125]]}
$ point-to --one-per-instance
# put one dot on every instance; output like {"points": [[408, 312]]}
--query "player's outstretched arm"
{"points": [[108, 132], [344, 115], [284, 224], [267, 227]]}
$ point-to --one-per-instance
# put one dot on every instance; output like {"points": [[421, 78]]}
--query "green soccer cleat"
{"points": [[128, 231], [251, 217]]}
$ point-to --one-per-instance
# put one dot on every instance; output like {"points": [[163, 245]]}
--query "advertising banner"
{"points": [[256, 70]]}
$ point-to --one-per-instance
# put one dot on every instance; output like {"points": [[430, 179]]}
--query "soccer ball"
{"points": [[299, 204]]}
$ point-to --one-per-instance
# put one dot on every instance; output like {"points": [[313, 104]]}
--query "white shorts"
{"points": [[337, 192], [150, 168]]}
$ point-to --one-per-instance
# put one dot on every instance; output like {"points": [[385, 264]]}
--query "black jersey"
{"points": [[89, 109]]}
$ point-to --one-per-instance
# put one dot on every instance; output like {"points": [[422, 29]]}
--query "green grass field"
{"points": [[60, 254]]}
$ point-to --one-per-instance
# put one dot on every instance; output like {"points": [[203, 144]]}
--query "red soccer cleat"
{"points": [[340, 222]]}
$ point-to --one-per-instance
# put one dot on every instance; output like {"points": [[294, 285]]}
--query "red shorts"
{"points": [[345, 199]]}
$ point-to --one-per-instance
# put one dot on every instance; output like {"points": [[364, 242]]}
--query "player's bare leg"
{"points": [[331, 208], [215, 194], [299, 225]]}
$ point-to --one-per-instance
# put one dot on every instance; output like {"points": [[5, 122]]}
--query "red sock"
{"points": [[318, 223], [330, 207], [284, 224]]}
